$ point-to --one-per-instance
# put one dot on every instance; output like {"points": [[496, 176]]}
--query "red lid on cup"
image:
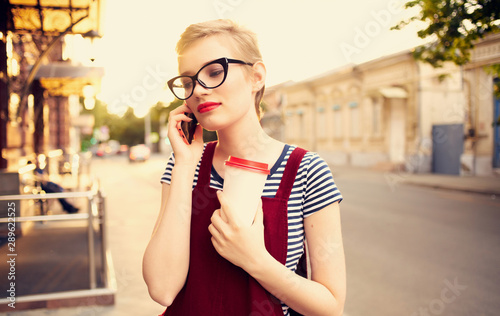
{"points": [[247, 164]]}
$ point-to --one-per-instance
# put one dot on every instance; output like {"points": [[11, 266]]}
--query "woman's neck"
{"points": [[244, 139]]}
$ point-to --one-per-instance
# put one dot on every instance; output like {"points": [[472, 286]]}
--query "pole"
{"points": [[147, 129], [90, 236], [4, 87], [4, 100], [163, 131]]}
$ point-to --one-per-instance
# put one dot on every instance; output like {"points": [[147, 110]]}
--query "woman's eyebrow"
{"points": [[187, 73]]}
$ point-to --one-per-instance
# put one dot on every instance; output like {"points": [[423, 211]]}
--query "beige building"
{"points": [[397, 113]]}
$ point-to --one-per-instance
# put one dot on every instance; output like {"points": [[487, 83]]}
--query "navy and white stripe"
{"points": [[313, 189]]}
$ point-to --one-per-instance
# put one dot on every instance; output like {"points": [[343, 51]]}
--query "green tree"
{"points": [[456, 25], [127, 129]]}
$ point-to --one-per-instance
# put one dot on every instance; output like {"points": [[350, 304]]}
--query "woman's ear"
{"points": [[259, 76]]}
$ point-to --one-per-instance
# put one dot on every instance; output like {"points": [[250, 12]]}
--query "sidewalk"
{"points": [[488, 185], [471, 184]]}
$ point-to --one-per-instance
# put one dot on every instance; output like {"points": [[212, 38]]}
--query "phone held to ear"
{"points": [[187, 129]]}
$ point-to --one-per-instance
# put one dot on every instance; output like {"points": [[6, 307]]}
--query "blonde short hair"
{"points": [[244, 40]]}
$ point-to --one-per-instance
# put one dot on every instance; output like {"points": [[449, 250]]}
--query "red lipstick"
{"points": [[208, 106]]}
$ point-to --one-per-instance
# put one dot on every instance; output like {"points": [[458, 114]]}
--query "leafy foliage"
{"points": [[455, 25], [127, 129]]}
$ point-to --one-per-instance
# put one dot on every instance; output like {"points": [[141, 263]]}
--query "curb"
{"points": [[460, 189]]}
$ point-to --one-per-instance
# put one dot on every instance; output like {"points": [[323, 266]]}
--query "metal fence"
{"points": [[96, 228]]}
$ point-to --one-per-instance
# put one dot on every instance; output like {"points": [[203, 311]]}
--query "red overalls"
{"points": [[214, 286]]}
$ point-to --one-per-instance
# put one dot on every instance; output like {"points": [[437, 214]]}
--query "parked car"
{"points": [[123, 150], [114, 146], [139, 153], [103, 150]]}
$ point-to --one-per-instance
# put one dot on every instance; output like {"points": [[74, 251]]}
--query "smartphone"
{"points": [[188, 128]]}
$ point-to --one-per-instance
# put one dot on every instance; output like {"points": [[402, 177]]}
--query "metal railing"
{"points": [[96, 214]]}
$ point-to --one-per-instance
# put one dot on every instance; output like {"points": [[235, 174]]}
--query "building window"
{"points": [[290, 122], [337, 121], [321, 122], [301, 130], [376, 118], [354, 113]]}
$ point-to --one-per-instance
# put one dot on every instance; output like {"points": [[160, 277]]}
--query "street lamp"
{"points": [[92, 35]]}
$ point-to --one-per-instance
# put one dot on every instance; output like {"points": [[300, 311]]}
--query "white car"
{"points": [[139, 153]]}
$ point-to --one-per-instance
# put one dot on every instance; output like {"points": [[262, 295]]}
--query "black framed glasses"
{"points": [[210, 76]]}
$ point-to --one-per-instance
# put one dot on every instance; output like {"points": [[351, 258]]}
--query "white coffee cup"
{"points": [[244, 181]]}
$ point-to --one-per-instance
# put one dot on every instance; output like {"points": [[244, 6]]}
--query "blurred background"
{"points": [[402, 102]]}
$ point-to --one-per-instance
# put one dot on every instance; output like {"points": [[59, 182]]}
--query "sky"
{"points": [[299, 39]]}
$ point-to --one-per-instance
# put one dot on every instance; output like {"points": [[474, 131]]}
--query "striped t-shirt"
{"points": [[312, 190]]}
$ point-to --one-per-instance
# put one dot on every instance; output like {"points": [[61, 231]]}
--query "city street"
{"points": [[410, 250]]}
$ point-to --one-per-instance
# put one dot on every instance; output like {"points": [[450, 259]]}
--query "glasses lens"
{"points": [[211, 75], [182, 87]]}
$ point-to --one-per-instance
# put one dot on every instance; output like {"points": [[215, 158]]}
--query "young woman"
{"points": [[199, 261]]}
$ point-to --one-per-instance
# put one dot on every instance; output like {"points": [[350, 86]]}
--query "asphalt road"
{"points": [[418, 251]]}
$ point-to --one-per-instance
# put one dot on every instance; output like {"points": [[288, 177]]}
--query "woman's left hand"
{"points": [[243, 246]]}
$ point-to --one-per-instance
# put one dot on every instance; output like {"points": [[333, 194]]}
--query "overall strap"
{"points": [[206, 164], [290, 173]]}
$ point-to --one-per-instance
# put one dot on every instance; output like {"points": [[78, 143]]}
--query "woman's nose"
{"points": [[199, 89]]}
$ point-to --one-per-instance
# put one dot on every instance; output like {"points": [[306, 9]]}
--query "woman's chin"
{"points": [[212, 126]]}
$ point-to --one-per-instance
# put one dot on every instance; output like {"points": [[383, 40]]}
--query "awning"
{"points": [[64, 79], [51, 17]]}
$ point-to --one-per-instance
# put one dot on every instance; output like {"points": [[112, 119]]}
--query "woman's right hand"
{"points": [[185, 154]]}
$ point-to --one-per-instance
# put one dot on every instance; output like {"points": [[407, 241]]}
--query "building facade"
{"points": [[38, 113], [396, 113]]}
